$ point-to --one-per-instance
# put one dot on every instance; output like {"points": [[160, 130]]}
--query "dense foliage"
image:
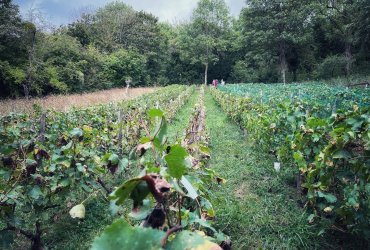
{"points": [[50, 159], [271, 41], [319, 132], [171, 193], [302, 40]]}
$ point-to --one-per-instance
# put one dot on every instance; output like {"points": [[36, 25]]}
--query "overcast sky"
{"points": [[65, 11]]}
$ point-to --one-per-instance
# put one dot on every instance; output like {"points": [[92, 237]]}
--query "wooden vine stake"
{"points": [[120, 134], [42, 127]]}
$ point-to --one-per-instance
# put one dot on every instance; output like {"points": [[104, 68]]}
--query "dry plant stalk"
{"points": [[65, 102]]}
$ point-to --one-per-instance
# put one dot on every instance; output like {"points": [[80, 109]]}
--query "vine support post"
{"points": [[120, 135], [299, 182], [36, 241], [42, 127]]}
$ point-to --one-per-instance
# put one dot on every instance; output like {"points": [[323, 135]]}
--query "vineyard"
{"points": [[170, 170], [263, 143], [321, 134]]}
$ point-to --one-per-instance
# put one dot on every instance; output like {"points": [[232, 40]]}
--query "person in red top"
{"points": [[216, 82]]}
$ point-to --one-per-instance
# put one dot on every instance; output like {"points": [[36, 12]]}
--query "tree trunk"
{"points": [[206, 74], [26, 90], [348, 55], [28, 83], [282, 60]]}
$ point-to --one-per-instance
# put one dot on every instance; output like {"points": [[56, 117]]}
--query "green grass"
{"points": [[178, 125], [70, 233], [255, 206]]}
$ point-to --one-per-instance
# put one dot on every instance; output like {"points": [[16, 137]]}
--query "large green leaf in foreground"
{"points": [[187, 240], [121, 235]]}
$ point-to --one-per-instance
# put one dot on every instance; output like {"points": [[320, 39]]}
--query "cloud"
{"points": [[62, 11]]}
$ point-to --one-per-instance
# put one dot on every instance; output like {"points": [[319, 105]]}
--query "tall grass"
{"points": [[65, 102]]}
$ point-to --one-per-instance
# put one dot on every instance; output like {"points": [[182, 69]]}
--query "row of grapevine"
{"points": [[331, 148], [329, 98], [49, 158], [170, 196]]}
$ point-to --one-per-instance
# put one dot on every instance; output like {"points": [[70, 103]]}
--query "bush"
{"points": [[124, 64], [11, 79], [332, 66], [242, 73]]}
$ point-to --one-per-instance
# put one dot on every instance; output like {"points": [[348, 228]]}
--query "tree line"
{"points": [[270, 41]]}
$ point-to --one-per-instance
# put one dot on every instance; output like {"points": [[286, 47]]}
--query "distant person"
{"points": [[215, 82], [222, 82]]}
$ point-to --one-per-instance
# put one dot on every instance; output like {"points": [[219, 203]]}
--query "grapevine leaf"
{"points": [[328, 197], [122, 192], [7, 150], [155, 113], [36, 192], [163, 131], [191, 191], [177, 162], [123, 164], [311, 218], [114, 159], [76, 132], [121, 235], [191, 240], [67, 147], [157, 144], [341, 154], [139, 193], [204, 150], [6, 239], [140, 213], [30, 162], [144, 140]]}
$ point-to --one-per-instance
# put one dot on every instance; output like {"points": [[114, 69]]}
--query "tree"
{"points": [[350, 23], [205, 36], [125, 64], [12, 52], [274, 29]]}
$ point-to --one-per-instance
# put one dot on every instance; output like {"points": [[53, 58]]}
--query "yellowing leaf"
{"points": [[78, 211], [208, 245], [328, 209]]}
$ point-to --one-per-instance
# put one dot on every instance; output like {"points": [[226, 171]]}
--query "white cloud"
{"points": [[166, 10]]}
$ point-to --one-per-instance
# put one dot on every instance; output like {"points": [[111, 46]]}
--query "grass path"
{"points": [[177, 127], [254, 206]]}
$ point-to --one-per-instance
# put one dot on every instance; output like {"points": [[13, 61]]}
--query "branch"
{"points": [[156, 154], [168, 233], [101, 182], [51, 206], [25, 233]]}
